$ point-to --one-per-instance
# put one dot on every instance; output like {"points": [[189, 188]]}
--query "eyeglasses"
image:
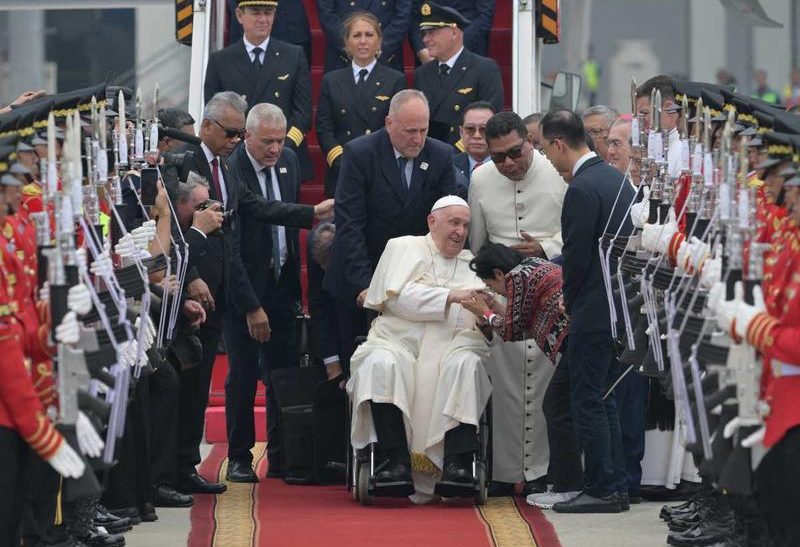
{"points": [[614, 143], [514, 154], [597, 132], [231, 133], [471, 130]]}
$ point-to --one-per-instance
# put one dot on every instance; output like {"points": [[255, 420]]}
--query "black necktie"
{"points": [[444, 70], [257, 57], [276, 242], [362, 77], [402, 162]]}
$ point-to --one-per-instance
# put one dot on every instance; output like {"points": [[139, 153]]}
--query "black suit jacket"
{"points": [[394, 17], [588, 208], [373, 206], [472, 78], [344, 112], [283, 80], [215, 269], [461, 161], [252, 238], [476, 36]]}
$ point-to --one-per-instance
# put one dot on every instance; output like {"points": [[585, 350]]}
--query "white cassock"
{"points": [[499, 209], [421, 355]]}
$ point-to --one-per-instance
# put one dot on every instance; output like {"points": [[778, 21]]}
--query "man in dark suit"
{"points": [[220, 132], [591, 208], [394, 16], [473, 145], [291, 25], [456, 77], [476, 35], [387, 185], [265, 69], [259, 325]]}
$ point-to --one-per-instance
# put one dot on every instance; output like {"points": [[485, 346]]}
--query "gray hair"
{"points": [[608, 114], [220, 101], [536, 117], [622, 121], [265, 114], [185, 189], [321, 246], [405, 96]]}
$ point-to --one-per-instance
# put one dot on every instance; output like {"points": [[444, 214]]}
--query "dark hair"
{"points": [[536, 117], [495, 256], [477, 105], [503, 123], [564, 124], [663, 83], [174, 118]]}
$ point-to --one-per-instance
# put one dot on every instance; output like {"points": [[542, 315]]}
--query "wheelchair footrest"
{"points": [[399, 489], [448, 489]]}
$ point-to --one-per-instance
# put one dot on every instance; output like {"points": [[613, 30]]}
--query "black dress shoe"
{"points": [[458, 472], [195, 484], [703, 534], [166, 496], [130, 513], [240, 472], [99, 539], [499, 489], [112, 523], [537, 486], [148, 512], [585, 503], [394, 472], [624, 502]]}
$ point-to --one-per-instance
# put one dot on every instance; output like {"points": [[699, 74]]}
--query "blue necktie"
{"points": [[402, 162], [276, 248]]}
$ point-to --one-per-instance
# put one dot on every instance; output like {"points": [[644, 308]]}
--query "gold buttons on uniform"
{"points": [[457, 107], [277, 94], [368, 131], [348, 132], [374, 109]]}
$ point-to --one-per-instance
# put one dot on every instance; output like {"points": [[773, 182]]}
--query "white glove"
{"points": [[126, 248], [716, 296], [641, 211], [692, 256], [68, 332], [746, 312], [66, 462], [149, 332], [89, 441], [102, 266], [80, 258], [79, 299], [734, 425], [44, 292], [728, 309], [144, 234], [656, 237], [756, 438], [711, 273]]}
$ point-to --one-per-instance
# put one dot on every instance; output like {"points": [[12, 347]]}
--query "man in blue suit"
{"points": [[591, 208], [388, 182], [394, 16]]}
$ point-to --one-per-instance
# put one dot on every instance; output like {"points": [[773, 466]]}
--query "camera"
{"points": [[226, 215], [178, 159]]}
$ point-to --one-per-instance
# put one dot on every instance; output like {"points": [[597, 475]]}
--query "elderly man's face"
{"points": [[597, 128], [534, 135], [408, 128], [223, 134], [449, 227], [256, 22], [473, 132], [619, 148], [185, 209], [440, 42], [265, 143], [512, 155]]}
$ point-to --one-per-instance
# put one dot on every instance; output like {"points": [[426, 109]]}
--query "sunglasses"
{"points": [[514, 154], [231, 133], [471, 130]]}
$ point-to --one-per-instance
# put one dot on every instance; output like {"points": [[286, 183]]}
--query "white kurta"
{"points": [[500, 209], [421, 355]]}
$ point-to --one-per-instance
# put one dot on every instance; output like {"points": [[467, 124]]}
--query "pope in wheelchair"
{"points": [[418, 386]]}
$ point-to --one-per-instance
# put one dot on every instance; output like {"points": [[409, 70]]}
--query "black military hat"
{"points": [[258, 3], [779, 149], [745, 117], [716, 103], [435, 16], [787, 122]]}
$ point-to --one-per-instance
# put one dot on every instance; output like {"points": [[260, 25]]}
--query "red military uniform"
{"points": [[775, 333]]}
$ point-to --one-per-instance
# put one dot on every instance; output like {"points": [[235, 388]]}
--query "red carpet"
{"points": [[274, 514]]}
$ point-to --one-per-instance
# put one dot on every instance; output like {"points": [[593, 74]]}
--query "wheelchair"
{"points": [[362, 466]]}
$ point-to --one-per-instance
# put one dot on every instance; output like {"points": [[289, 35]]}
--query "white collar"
{"points": [[451, 62], [250, 47], [583, 159], [257, 165], [207, 151], [357, 68]]}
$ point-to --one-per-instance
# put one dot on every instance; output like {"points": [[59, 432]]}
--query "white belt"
{"points": [[780, 369]]}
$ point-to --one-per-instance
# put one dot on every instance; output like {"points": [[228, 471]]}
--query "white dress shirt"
{"points": [[261, 174], [250, 47], [583, 159], [209, 158], [357, 69], [451, 62]]}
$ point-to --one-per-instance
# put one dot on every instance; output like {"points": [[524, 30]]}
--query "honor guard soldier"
{"points": [[456, 77], [265, 70]]}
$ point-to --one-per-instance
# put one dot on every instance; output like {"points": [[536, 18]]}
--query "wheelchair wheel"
{"points": [[355, 474], [362, 487], [481, 479]]}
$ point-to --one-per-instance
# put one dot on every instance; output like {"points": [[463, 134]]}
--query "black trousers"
{"points": [[38, 520], [249, 362], [129, 480], [592, 369], [778, 490], [165, 389], [194, 396], [15, 461], [353, 322], [565, 470], [631, 394]]}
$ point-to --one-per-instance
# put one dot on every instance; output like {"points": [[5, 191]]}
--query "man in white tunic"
{"points": [[516, 200], [418, 385]]}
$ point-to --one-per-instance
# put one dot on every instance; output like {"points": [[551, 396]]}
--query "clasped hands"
{"points": [[475, 301]]}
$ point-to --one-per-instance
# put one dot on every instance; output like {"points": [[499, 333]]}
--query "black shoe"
{"points": [[240, 472], [701, 535], [585, 503], [624, 502], [195, 484], [537, 486], [684, 491], [148, 512], [499, 489], [458, 471], [634, 498], [112, 523], [130, 513], [99, 539], [166, 496], [394, 479]]}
